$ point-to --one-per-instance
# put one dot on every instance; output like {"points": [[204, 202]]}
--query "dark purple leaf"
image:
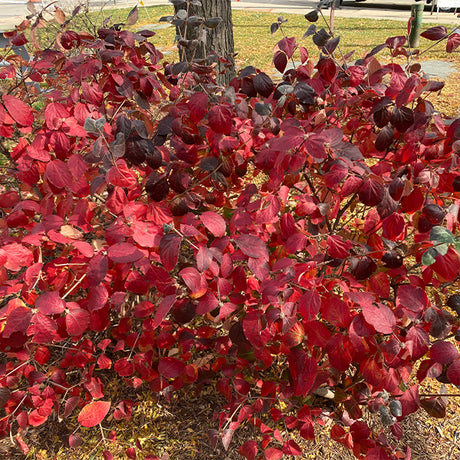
{"points": [[435, 33]]}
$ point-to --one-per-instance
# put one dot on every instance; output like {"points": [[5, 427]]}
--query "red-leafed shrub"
{"points": [[277, 239]]}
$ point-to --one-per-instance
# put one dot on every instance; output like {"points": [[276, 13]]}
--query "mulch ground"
{"points": [[178, 430]]}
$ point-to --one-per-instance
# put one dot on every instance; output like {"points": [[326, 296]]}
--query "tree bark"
{"points": [[218, 40]]}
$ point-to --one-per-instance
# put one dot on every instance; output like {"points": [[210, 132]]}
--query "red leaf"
{"points": [[4, 396], [17, 256], [380, 284], [393, 226], [163, 310], [443, 352], [42, 328], [249, 450], [226, 438], [396, 42], [18, 320], [36, 419], [18, 110], [288, 45], [272, 453], [453, 42], [9, 199], [93, 413], [198, 106], [453, 373], [169, 250], [291, 448], [214, 223], [413, 202], [144, 309], [280, 61], [75, 440], [402, 118], [436, 406], [410, 400], [58, 174], [97, 298], [309, 305], [295, 243], [97, 269], [77, 321], [124, 253], [385, 138], [123, 410], [120, 174], [338, 349], [131, 452], [252, 328], [69, 39], [203, 258], [19, 40], [417, 341], [336, 311], [380, 317], [55, 115], [124, 367], [412, 299], [50, 303], [307, 431], [303, 54], [377, 453], [170, 368], [70, 405], [207, 303], [195, 281], [220, 119], [360, 430], [83, 247], [92, 92], [252, 246], [434, 33], [146, 234], [303, 371], [371, 193], [336, 173], [263, 84], [356, 74], [340, 435], [327, 68], [337, 247], [447, 267], [104, 362]]}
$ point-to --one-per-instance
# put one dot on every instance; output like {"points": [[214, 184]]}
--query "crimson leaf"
{"points": [[252, 246], [93, 413], [435, 33]]}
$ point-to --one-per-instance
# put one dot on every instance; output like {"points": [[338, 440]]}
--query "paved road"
{"points": [[13, 11]]}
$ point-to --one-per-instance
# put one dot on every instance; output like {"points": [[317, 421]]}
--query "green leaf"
{"points": [[429, 257], [457, 244], [441, 235], [442, 248]]}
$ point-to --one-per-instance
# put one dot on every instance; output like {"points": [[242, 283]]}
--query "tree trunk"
{"points": [[218, 40]]}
